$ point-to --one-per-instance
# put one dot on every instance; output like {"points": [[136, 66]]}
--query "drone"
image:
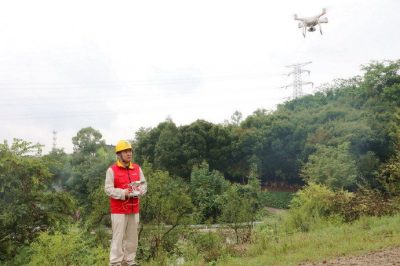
{"points": [[310, 22]]}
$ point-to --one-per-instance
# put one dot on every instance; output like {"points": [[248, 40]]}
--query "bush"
{"points": [[210, 245], [364, 202], [309, 205], [317, 202], [71, 248]]}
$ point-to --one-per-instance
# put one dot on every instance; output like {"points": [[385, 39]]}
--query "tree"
{"points": [[87, 141], [241, 205], [167, 155], [389, 173], [145, 142], [89, 161], [164, 210], [59, 164], [332, 166], [28, 204], [236, 118], [205, 187]]}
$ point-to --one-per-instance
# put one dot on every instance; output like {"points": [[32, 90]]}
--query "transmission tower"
{"points": [[54, 140], [297, 81]]}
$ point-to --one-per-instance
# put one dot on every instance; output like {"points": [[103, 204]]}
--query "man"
{"points": [[125, 183]]}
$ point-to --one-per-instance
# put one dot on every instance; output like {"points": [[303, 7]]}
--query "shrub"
{"points": [[331, 166], [317, 202], [71, 248], [311, 203], [210, 245], [364, 202]]}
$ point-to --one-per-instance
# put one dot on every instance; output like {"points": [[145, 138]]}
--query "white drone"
{"points": [[310, 22]]}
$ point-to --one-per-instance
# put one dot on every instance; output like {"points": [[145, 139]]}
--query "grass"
{"points": [[327, 241]]}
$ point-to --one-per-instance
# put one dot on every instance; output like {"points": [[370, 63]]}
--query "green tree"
{"points": [[240, 206], [59, 164], [89, 161], [205, 187], [331, 166], [389, 174], [87, 141], [167, 155], [165, 210], [236, 118], [144, 146], [28, 204]]}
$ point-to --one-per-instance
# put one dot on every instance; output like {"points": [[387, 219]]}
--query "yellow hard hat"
{"points": [[122, 145]]}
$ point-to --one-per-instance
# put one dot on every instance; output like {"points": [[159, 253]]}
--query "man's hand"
{"points": [[127, 192]]}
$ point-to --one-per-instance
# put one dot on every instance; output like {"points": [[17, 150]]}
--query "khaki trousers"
{"points": [[124, 238]]}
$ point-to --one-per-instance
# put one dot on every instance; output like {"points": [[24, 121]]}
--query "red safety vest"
{"points": [[122, 178]]}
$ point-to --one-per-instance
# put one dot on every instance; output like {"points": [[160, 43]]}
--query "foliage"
{"points": [[59, 165], [99, 215], [331, 166], [237, 212], [70, 248], [209, 244], [166, 149], [87, 141], [317, 202], [241, 204], [205, 188], [164, 211], [389, 174], [276, 199], [359, 111], [89, 162], [364, 202], [28, 204], [308, 206], [273, 246]]}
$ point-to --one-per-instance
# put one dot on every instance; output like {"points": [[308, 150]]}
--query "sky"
{"points": [[118, 66]]}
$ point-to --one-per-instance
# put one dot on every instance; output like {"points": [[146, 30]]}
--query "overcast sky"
{"points": [[120, 65]]}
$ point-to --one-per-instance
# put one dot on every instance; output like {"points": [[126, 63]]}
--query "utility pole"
{"points": [[54, 140], [297, 81]]}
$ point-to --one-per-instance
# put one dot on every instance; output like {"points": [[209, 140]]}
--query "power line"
{"points": [[81, 96], [126, 83]]}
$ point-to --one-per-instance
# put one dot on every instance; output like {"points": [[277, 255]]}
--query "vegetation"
{"points": [[276, 199], [328, 240], [341, 146]]}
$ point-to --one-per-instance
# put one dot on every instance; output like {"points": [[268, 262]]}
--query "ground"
{"points": [[385, 257]]}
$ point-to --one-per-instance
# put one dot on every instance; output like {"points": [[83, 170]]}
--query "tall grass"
{"points": [[327, 240]]}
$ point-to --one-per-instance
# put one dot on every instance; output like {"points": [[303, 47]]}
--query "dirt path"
{"points": [[383, 257], [275, 210]]}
